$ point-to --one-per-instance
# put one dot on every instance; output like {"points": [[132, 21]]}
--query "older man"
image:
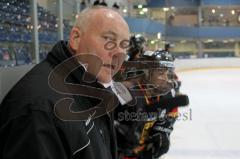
{"points": [[39, 116]]}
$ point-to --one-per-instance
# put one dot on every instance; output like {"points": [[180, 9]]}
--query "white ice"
{"points": [[212, 129]]}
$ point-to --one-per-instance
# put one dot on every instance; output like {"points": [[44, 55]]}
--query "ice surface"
{"points": [[212, 129]]}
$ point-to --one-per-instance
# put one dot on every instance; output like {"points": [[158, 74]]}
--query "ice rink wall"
{"points": [[9, 76], [208, 63]]}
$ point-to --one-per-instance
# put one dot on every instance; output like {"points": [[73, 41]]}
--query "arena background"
{"points": [[206, 38]]}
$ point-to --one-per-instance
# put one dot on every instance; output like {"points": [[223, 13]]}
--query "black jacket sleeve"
{"points": [[33, 136]]}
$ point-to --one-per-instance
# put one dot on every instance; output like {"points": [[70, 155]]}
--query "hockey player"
{"points": [[144, 128]]}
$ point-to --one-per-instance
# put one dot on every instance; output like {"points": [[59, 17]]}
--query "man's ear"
{"points": [[74, 40]]}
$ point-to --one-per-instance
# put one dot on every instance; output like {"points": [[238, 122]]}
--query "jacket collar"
{"points": [[59, 53]]}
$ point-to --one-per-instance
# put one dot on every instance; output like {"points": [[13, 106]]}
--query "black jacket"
{"points": [[30, 128]]}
